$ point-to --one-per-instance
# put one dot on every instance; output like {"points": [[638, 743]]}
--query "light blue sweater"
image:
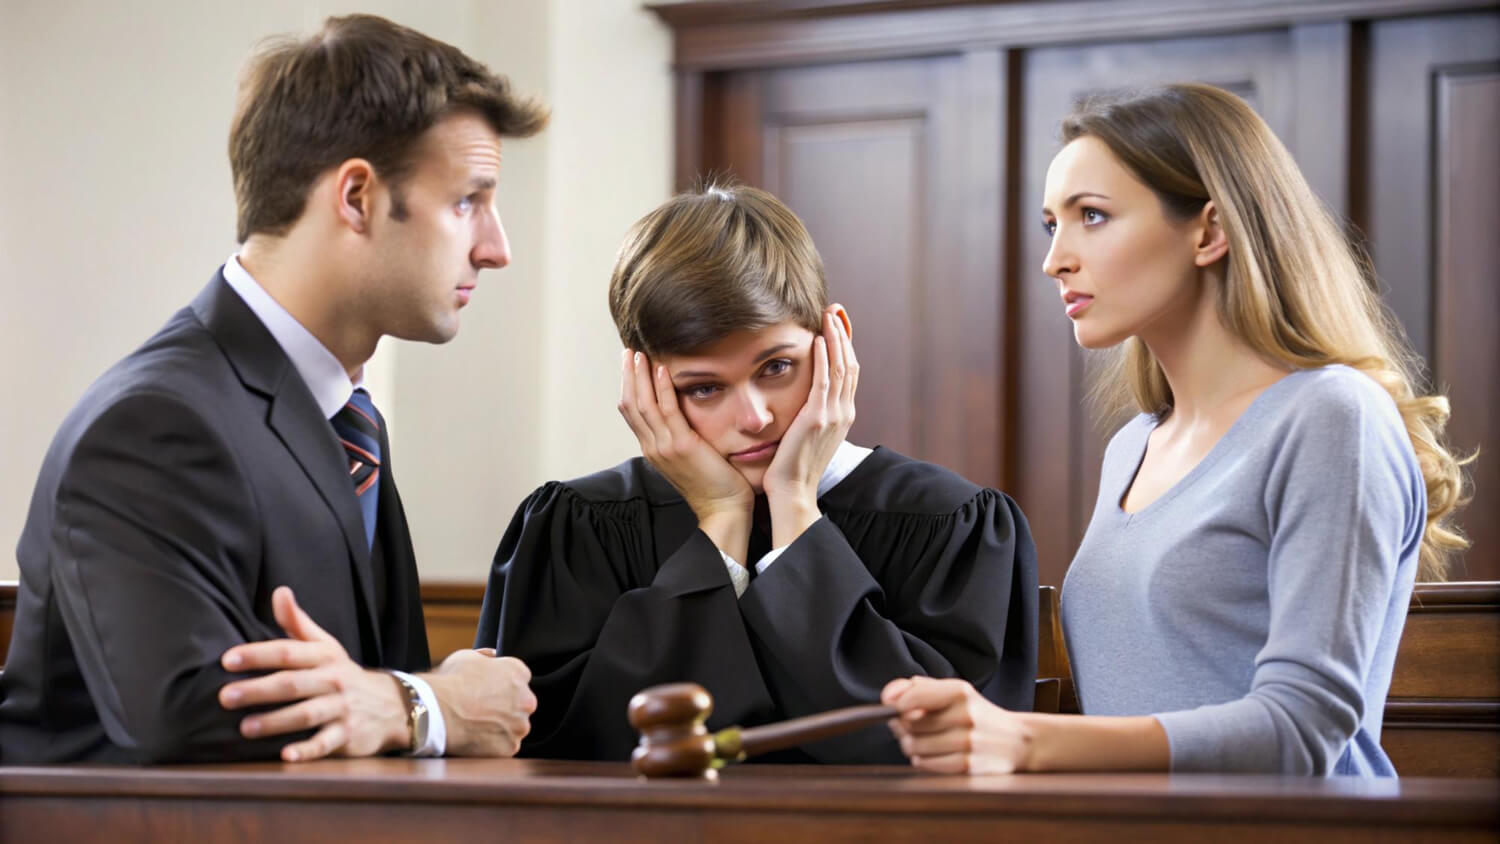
{"points": [[1255, 608]]}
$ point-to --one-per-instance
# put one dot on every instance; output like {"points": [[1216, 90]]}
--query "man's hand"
{"points": [[486, 702], [357, 712], [810, 441], [719, 495]]}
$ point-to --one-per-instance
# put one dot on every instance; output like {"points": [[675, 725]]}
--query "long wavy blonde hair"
{"points": [[1296, 291]]}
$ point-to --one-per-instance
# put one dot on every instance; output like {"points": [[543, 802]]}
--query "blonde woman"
{"points": [[1238, 598]]}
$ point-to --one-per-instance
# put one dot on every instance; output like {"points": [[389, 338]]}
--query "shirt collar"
{"points": [[845, 459], [320, 370]]}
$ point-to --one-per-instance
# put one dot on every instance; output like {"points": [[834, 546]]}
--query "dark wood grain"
{"points": [[1431, 172], [412, 800]]}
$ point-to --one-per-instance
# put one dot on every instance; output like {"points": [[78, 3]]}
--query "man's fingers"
{"points": [[303, 715], [326, 742], [281, 687], [277, 655], [517, 666], [293, 619]]}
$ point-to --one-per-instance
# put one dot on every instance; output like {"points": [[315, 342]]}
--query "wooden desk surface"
{"points": [[436, 800]]}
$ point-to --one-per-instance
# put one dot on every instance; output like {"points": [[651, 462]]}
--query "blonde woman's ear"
{"points": [[1213, 243]]}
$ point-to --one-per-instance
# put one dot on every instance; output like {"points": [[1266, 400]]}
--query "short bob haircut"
{"points": [[710, 262]]}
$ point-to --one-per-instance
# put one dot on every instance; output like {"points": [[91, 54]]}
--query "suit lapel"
{"points": [[297, 421]]}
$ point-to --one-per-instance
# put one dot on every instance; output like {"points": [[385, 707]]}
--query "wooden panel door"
{"points": [[1059, 444], [895, 166], [1433, 202]]}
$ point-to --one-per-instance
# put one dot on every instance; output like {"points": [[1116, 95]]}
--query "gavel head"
{"points": [[673, 741]]}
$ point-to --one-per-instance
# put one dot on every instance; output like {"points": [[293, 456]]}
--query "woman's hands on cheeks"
{"points": [[946, 726], [791, 481], [718, 494]]}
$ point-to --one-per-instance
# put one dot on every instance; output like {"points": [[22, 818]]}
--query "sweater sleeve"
{"points": [[1346, 505]]}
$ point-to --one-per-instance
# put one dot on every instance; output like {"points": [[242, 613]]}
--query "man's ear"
{"points": [[841, 314], [1213, 243], [354, 186]]}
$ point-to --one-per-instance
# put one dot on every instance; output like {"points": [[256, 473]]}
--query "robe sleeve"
{"points": [[950, 595], [576, 592]]}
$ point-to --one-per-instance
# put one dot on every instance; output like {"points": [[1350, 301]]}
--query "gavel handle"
{"points": [[734, 744]]}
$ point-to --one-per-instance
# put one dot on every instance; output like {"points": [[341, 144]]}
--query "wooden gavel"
{"points": [[674, 742]]}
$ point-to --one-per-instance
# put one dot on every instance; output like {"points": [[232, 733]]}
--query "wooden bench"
{"points": [[1442, 717]]}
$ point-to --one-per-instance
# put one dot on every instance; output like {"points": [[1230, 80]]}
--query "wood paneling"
{"points": [[1433, 194], [895, 167], [1387, 105], [1466, 289]]}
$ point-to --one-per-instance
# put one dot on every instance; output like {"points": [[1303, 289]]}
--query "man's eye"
{"points": [[465, 205]]}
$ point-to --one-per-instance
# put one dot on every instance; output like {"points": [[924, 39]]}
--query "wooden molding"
{"points": [[1464, 595], [730, 35], [1443, 713]]}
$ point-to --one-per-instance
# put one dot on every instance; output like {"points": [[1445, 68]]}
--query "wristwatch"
{"points": [[416, 714]]}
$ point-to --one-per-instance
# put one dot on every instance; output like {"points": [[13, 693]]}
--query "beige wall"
{"points": [[115, 208]]}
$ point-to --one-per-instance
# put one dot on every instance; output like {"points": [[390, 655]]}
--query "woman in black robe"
{"points": [[751, 549]]}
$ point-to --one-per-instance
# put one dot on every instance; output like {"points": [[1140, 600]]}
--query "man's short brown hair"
{"points": [[363, 87], [711, 262]]}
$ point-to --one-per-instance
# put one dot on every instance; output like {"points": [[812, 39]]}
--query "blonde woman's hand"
{"points": [[791, 481], [719, 495], [947, 727]]}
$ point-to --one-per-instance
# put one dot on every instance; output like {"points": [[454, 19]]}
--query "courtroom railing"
{"points": [[1442, 718]]}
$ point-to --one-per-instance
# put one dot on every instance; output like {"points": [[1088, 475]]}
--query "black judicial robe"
{"points": [[604, 586]]}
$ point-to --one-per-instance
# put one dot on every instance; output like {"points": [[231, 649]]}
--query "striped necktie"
{"points": [[359, 432]]}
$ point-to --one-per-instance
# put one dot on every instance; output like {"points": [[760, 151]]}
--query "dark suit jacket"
{"points": [[191, 480]]}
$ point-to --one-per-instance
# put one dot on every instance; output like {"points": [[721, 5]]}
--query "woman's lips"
{"points": [[751, 455], [1077, 303]]}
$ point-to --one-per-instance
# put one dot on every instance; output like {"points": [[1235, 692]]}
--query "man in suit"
{"points": [[216, 564]]}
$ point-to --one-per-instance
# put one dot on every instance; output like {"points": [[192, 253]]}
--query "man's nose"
{"points": [[492, 250]]}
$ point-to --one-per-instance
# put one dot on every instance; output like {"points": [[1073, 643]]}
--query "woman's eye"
{"points": [[700, 392], [777, 367], [1093, 216], [1050, 227]]}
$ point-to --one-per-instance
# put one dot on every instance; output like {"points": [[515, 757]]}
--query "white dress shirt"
{"points": [[331, 388]]}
